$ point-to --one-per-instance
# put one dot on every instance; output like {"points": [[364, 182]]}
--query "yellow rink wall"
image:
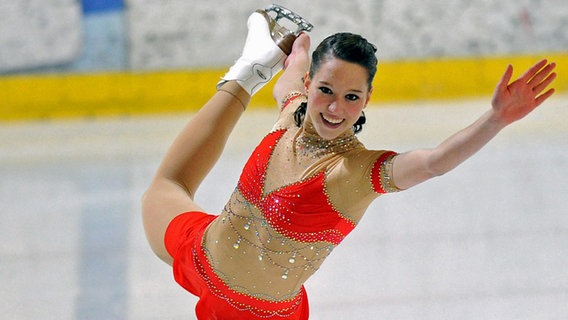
{"points": [[25, 97]]}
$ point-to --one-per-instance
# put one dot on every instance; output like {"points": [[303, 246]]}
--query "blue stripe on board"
{"points": [[94, 6]]}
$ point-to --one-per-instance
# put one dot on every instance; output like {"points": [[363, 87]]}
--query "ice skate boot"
{"points": [[267, 45]]}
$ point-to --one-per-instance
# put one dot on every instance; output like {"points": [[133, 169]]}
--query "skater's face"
{"points": [[337, 94]]}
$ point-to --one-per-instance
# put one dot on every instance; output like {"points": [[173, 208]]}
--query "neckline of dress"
{"points": [[309, 142]]}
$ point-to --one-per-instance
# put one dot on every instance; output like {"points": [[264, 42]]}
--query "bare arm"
{"points": [[295, 68], [510, 102]]}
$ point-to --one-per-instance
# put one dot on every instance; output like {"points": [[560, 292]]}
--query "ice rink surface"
{"points": [[486, 241]]}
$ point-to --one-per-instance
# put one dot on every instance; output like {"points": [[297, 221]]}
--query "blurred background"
{"points": [[93, 91]]}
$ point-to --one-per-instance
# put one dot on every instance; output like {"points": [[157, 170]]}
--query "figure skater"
{"points": [[309, 181]]}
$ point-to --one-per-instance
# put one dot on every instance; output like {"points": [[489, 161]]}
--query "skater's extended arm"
{"points": [[511, 102], [295, 68]]}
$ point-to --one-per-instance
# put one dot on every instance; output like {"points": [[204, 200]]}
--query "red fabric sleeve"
{"points": [[381, 174]]}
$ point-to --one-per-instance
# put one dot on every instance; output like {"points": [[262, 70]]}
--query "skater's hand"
{"points": [[300, 48], [512, 101]]}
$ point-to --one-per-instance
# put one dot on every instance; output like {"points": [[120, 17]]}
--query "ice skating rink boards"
{"points": [[486, 241]]}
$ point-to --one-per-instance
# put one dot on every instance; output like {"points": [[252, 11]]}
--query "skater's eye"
{"points": [[352, 97], [325, 90]]}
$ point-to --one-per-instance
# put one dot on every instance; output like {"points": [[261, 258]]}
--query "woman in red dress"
{"points": [[309, 181]]}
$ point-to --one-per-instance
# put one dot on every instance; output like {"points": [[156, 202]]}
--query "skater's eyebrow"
{"points": [[323, 82]]}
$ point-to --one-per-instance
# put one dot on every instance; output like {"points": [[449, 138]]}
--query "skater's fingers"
{"points": [[302, 41]]}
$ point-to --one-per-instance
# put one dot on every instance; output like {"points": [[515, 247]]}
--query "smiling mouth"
{"points": [[331, 122]]}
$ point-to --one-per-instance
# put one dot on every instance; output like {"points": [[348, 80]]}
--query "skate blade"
{"points": [[283, 36], [281, 12]]}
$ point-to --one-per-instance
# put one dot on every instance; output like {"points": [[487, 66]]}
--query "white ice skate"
{"points": [[267, 45]]}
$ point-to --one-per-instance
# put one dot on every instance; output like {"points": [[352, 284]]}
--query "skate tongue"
{"points": [[300, 23]]}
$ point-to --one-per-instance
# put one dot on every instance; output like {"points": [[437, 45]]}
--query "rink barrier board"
{"points": [[44, 96]]}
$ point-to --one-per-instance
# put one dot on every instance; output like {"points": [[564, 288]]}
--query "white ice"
{"points": [[486, 241]]}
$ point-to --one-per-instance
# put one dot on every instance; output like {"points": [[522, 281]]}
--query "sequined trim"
{"points": [[311, 144], [382, 174], [290, 97], [242, 302], [296, 259], [300, 211], [308, 226]]}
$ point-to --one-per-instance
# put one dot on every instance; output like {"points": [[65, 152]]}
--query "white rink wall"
{"points": [[160, 34], [180, 33]]}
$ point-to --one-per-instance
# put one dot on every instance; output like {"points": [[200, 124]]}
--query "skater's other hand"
{"points": [[300, 47], [512, 101]]}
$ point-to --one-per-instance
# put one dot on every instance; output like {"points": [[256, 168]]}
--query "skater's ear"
{"points": [[307, 81]]}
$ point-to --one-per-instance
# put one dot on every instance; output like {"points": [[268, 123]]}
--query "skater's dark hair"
{"points": [[348, 47]]}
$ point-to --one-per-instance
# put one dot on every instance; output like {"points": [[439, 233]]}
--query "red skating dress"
{"points": [[297, 198]]}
